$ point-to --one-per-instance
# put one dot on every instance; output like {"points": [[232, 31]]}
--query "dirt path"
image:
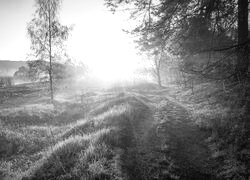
{"points": [[164, 144], [134, 132], [184, 141]]}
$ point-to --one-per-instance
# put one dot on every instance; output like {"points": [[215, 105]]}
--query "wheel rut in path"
{"points": [[161, 142], [141, 155], [133, 130], [183, 141]]}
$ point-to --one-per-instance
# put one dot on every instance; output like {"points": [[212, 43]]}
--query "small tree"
{"points": [[22, 73], [48, 35], [154, 47], [157, 60]]}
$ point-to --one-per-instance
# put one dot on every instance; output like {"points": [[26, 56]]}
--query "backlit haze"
{"points": [[97, 39]]}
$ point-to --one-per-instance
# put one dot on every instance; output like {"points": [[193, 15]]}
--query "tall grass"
{"points": [[65, 144], [219, 112]]}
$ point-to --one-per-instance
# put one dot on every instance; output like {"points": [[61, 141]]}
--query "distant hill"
{"points": [[8, 68]]}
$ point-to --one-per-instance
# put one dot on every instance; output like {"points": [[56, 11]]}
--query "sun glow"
{"points": [[99, 42]]}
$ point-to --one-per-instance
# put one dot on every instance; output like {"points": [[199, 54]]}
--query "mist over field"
{"points": [[124, 90]]}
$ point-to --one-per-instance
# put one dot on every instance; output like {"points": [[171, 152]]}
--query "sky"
{"points": [[97, 38], [14, 16]]}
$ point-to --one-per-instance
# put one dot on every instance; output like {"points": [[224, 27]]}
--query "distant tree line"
{"points": [[38, 71]]}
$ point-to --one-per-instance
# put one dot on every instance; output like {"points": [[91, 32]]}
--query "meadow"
{"points": [[136, 132]]}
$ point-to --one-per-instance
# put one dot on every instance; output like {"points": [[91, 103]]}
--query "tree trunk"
{"points": [[159, 77], [242, 56], [157, 69], [50, 58], [184, 79]]}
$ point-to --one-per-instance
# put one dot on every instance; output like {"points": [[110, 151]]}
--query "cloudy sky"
{"points": [[96, 40]]}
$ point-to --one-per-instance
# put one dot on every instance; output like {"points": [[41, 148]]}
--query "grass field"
{"points": [[134, 132], [77, 137]]}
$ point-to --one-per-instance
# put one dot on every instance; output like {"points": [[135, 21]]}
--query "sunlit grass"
{"points": [[72, 147]]}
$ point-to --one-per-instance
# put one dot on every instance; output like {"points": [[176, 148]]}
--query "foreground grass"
{"points": [[217, 111], [170, 133], [65, 144]]}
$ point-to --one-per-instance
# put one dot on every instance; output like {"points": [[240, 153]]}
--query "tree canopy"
{"points": [[191, 28]]}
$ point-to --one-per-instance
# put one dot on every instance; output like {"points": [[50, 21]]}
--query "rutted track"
{"points": [[161, 142], [143, 155], [131, 136]]}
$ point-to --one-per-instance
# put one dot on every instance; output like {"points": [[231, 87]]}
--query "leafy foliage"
{"points": [[45, 31], [209, 42]]}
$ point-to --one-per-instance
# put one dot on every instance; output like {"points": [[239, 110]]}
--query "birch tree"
{"points": [[48, 35]]}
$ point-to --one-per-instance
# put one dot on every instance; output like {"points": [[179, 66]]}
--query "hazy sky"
{"points": [[97, 38], [14, 15]]}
